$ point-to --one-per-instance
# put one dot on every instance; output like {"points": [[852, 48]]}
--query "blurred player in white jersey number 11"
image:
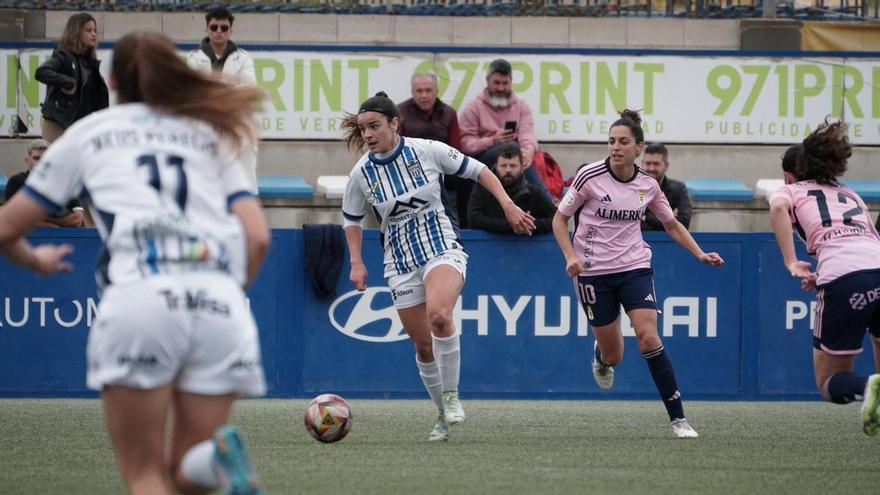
{"points": [[183, 231], [834, 223], [610, 263], [401, 181]]}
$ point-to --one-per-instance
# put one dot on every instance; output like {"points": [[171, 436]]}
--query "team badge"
{"points": [[569, 199], [414, 169], [642, 195], [590, 312]]}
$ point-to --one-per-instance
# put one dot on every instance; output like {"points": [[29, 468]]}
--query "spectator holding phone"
{"points": [[496, 117]]}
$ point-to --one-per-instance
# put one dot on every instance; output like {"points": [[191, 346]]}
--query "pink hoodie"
{"points": [[479, 121]]}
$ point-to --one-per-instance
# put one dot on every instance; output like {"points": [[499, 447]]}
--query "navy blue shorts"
{"points": [[845, 308], [602, 295]]}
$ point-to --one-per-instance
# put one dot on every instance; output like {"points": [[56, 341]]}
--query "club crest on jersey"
{"points": [[374, 189], [414, 169], [642, 195]]}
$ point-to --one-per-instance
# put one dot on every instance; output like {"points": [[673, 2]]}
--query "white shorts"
{"points": [[195, 330], [408, 289]]}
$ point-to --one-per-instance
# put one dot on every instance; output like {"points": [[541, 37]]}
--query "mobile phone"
{"points": [[510, 125]]}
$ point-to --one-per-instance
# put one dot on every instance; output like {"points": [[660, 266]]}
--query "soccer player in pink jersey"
{"points": [[834, 223], [611, 263]]}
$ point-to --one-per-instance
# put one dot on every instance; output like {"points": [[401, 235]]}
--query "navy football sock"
{"points": [[845, 387], [664, 379]]}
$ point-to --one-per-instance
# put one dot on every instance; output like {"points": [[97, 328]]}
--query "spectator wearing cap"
{"points": [[498, 116], [73, 216]]}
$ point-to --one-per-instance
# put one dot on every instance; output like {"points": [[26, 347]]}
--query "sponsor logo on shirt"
{"points": [[408, 209], [618, 214], [606, 198]]}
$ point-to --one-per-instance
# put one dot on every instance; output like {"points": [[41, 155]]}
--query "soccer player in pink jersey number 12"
{"points": [[611, 263], [834, 223]]}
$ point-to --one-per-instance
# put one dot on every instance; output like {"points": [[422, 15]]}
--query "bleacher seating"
{"points": [[331, 186], [284, 186], [719, 190], [765, 187], [3, 180]]}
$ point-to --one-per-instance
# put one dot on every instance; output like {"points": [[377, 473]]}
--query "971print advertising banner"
{"points": [[574, 97]]}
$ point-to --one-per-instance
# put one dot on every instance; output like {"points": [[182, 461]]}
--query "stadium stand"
{"points": [[868, 189], [765, 187], [332, 186], [284, 186], [719, 190]]}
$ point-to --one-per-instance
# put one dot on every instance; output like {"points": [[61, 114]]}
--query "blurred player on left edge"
{"points": [[183, 232]]}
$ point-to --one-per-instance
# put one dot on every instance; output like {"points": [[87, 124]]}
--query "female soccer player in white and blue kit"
{"points": [[400, 180], [183, 232]]}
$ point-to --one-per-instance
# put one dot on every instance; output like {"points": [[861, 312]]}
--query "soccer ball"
{"points": [[328, 418]]}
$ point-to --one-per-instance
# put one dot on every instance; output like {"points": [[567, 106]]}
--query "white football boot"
{"points": [[440, 433], [682, 429], [604, 375], [452, 409]]}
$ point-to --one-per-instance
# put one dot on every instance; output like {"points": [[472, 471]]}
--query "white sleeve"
{"points": [[58, 177], [354, 201], [234, 179], [454, 162]]}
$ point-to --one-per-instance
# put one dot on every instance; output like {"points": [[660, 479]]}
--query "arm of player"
{"points": [[354, 238], [684, 239], [256, 233], [17, 218], [573, 264], [781, 221], [522, 222]]}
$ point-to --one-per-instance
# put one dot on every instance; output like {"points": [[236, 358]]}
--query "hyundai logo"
{"points": [[367, 315]]}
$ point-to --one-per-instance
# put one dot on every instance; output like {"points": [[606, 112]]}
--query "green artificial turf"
{"points": [[60, 446]]}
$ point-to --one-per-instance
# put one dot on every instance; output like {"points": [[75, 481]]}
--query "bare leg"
{"points": [[136, 422], [196, 418]]}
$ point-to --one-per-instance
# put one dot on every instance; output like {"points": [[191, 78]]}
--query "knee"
{"points": [[613, 358], [424, 351], [648, 341], [439, 318]]}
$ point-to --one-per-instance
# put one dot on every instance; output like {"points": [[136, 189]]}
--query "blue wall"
{"points": [[737, 332]]}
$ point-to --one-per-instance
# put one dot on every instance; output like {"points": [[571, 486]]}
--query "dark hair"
{"points": [[380, 103], [71, 38], [499, 66], [510, 150], [219, 13], [791, 157], [825, 153], [631, 119], [658, 149], [147, 69]]}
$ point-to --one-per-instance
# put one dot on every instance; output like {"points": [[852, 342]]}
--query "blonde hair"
{"points": [[71, 38], [147, 69]]}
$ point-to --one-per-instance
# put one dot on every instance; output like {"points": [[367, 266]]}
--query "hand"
{"points": [[808, 284], [503, 136], [528, 156], [712, 259], [49, 259], [801, 270], [520, 221], [573, 267], [358, 275], [69, 91]]}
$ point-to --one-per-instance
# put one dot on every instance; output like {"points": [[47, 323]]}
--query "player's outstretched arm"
{"points": [[573, 265], [17, 217], [520, 221], [781, 222], [256, 233], [354, 238], [684, 239]]}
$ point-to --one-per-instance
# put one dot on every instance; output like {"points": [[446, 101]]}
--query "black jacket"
{"points": [[65, 69], [485, 213], [677, 195]]}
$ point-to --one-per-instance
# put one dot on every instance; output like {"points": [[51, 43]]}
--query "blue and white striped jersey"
{"points": [[405, 192], [158, 187]]}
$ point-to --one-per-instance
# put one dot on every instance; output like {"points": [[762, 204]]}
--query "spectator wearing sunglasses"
{"points": [[218, 52]]}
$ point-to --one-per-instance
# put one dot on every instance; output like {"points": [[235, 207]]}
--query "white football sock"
{"points": [[197, 465], [430, 374], [447, 354]]}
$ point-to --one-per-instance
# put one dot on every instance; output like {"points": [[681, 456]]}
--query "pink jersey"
{"points": [[834, 223], [608, 212]]}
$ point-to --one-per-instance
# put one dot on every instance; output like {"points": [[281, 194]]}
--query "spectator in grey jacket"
{"points": [[656, 163]]}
